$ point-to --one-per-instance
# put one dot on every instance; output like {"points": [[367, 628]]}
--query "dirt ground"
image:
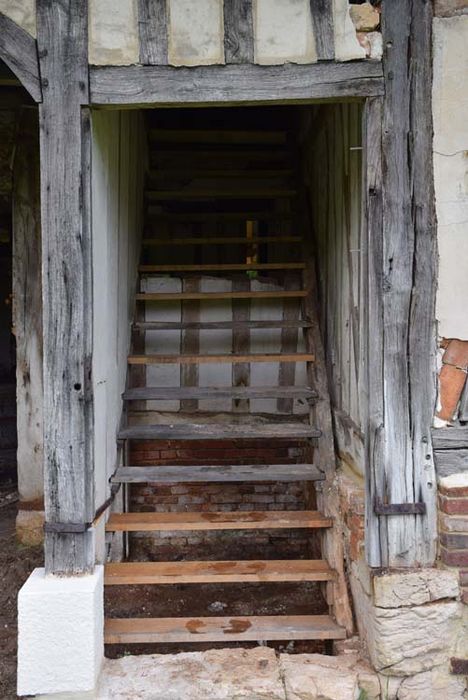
{"points": [[16, 563]]}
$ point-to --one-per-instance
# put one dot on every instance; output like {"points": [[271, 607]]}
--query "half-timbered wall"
{"points": [[117, 189], [333, 164]]}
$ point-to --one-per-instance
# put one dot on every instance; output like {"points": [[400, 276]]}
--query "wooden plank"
{"points": [[18, 50], [451, 462], [153, 34], [167, 173], [215, 240], [190, 338], [232, 267], [322, 17], [255, 571], [219, 431], [224, 473], [221, 359], [218, 216], [450, 438], [238, 31], [216, 296], [65, 136], [218, 136], [246, 84], [220, 629], [241, 339], [194, 155], [217, 325], [148, 393], [189, 193], [248, 520]]}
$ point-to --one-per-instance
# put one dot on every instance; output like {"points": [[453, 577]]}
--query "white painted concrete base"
{"points": [[60, 633]]}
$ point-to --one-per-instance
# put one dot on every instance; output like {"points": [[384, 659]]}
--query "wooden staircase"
{"points": [[231, 191]]}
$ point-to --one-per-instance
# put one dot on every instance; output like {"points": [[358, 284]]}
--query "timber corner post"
{"points": [[65, 145]]}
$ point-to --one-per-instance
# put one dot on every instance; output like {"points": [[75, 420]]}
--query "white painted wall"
{"points": [[450, 111], [117, 191], [23, 12]]}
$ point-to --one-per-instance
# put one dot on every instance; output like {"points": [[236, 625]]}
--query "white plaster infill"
{"points": [[60, 633]]}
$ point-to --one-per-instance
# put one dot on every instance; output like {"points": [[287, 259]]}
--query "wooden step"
{"points": [[219, 296], [163, 174], [220, 629], [219, 193], [224, 240], [255, 571], [253, 520], [217, 359], [164, 393], [176, 474], [234, 267], [220, 431], [218, 136], [217, 325], [188, 154], [219, 216]]}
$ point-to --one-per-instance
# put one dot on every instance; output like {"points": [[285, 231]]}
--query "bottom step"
{"points": [[220, 629]]}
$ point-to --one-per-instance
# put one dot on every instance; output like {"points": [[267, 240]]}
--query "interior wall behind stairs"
{"points": [[332, 161], [119, 159]]}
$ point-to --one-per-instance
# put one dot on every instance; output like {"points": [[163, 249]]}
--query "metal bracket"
{"points": [[381, 508]]}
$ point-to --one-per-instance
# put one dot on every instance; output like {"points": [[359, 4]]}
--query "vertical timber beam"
{"points": [[322, 17], [238, 31], [402, 468], [65, 143]]}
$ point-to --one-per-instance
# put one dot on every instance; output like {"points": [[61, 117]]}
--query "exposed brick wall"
{"points": [[210, 497], [453, 520]]}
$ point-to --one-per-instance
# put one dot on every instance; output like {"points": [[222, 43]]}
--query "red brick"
{"points": [[454, 557], [457, 506]]}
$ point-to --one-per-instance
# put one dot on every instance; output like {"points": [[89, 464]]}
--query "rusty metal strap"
{"points": [[381, 508], [79, 528]]}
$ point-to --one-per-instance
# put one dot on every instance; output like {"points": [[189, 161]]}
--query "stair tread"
{"points": [[241, 520], [221, 240], [146, 270], [215, 216], [251, 571], [221, 629], [219, 325], [222, 359], [148, 393], [220, 193], [210, 431], [207, 296], [215, 473]]}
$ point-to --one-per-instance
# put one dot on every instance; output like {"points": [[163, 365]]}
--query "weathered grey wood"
{"points": [[322, 17], [406, 474], [190, 342], [27, 304], [372, 398], [463, 408], [219, 431], [450, 462], [223, 473], [217, 325], [289, 338], [152, 25], [248, 84], [450, 438], [67, 281], [213, 392], [241, 343], [238, 31], [18, 50]]}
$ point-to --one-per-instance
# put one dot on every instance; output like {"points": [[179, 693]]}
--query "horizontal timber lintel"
{"points": [[137, 85]]}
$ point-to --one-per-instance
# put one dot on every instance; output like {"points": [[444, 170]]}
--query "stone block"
{"points": [[433, 685], [218, 674], [371, 43], [365, 17], [60, 633], [411, 588], [448, 8], [319, 677], [347, 46], [30, 527]]}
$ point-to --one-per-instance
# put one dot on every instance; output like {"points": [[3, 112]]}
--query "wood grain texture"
{"points": [[322, 17], [217, 325], [247, 520], [224, 473], [152, 26], [206, 359], [451, 438], [408, 284], [217, 431], [18, 50], [219, 392], [451, 461], [249, 84], [220, 629], [65, 138], [216, 296], [254, 571], [238, 31]]}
